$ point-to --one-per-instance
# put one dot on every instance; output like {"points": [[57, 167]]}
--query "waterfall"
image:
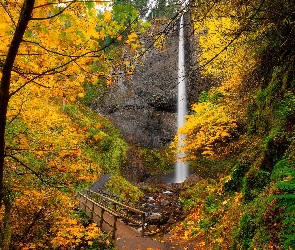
{"points": [[181, 167]]}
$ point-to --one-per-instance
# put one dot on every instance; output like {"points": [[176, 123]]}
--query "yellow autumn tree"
{"points": [[47, 51], [208, 127], [226, 57]]}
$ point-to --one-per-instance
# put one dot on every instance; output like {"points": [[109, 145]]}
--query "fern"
{"points": [[284, 175]]}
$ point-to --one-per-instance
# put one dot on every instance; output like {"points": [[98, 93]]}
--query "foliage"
{"points": [[46, 58], [102, 141], [213, 214], [211, 167], [254, 182], [162, 9], [55, 164], [250, 222], [283, 175], [126, 192], [247, 48], [157, 160], [224, 51], [236, 180], [209, 127], [160, 42]]}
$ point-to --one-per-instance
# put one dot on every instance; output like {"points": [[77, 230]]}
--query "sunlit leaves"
{"points": [[209, 126], [107, 16], [160, 42], [226, 56]]}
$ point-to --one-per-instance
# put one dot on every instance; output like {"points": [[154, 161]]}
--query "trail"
{"points": [[129, 238]]}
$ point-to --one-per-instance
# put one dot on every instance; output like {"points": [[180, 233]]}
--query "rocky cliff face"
{"points": [[143, 106]]}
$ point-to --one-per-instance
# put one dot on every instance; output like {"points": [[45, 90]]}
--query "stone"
{"points": [[143, 106]]}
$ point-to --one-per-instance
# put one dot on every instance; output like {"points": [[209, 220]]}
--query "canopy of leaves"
{"points": [[247, 47], [53, 149]]}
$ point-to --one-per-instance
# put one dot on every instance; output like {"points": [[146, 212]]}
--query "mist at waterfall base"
{"points": [[181, 167]]}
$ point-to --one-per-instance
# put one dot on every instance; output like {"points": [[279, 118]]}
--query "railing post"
{"points": [[101, 217], [143, 223], [85, 204], [92, 211], [115, 227]]}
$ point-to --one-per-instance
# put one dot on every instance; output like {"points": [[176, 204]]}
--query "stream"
{"points": [[162, 206]]}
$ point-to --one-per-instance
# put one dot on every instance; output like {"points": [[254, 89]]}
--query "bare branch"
{"points": [[18, 113], [236, 37], [8, 13], [57, 14], [66, 2], [50, 51], [27, 167]]}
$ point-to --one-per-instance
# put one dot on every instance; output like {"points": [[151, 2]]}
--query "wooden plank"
{"points": [[118, 210], [99, 205], [112, 225], [117, 202]]}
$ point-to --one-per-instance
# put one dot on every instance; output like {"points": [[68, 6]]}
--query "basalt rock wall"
{"points": [[143, 106]]}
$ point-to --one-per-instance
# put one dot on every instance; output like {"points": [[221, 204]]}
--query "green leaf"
{"points": [[89, 5]]}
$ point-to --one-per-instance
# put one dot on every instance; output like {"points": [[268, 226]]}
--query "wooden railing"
{"points": [[114, 208], [91, 204]]}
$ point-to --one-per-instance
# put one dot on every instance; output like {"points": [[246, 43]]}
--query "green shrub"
{"points": [[157, 160], [252, 232], [284, 176], [254, 183], [237, 174], [126, 192], [275, 146]]}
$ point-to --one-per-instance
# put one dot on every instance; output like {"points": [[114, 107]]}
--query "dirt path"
{"points": [[130, 239]]}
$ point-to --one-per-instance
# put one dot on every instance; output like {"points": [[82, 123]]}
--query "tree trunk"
{"points": [[22, 24], [7, 225]]}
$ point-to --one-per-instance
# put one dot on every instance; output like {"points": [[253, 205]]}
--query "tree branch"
{"points": [[8, 13], [78, 1], [22, 24], [55, 15], [27, 167]]}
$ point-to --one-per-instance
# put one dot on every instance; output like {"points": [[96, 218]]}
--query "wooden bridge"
{"points": [[97, 204]]}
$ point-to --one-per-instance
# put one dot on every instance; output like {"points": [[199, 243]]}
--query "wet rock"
{"points": [[154, 216], [162, 207], [152, 228], [143, 107], [168, 192]]}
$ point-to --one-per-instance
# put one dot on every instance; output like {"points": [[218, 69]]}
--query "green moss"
{"points": [[284, 178], [210, 167], [252, 232], [157, 160], [254, 183], [123, 189], [104, 143], [237, 175]]}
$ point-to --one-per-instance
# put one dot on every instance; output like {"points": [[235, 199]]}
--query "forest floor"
{"points": [[129, 238]]}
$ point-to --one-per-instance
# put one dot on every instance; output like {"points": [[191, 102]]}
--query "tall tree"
{"points": [[24, 18], [52, 46], [48, 51]]}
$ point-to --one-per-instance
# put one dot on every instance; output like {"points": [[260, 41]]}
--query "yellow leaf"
{"points": [[107, 16]]}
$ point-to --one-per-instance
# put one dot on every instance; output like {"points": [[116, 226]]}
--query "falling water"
{"points": [[181, 167]]}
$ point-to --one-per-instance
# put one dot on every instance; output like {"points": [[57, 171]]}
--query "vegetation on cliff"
{"points": [[248, 47], [239, 136], [52, 55]]}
